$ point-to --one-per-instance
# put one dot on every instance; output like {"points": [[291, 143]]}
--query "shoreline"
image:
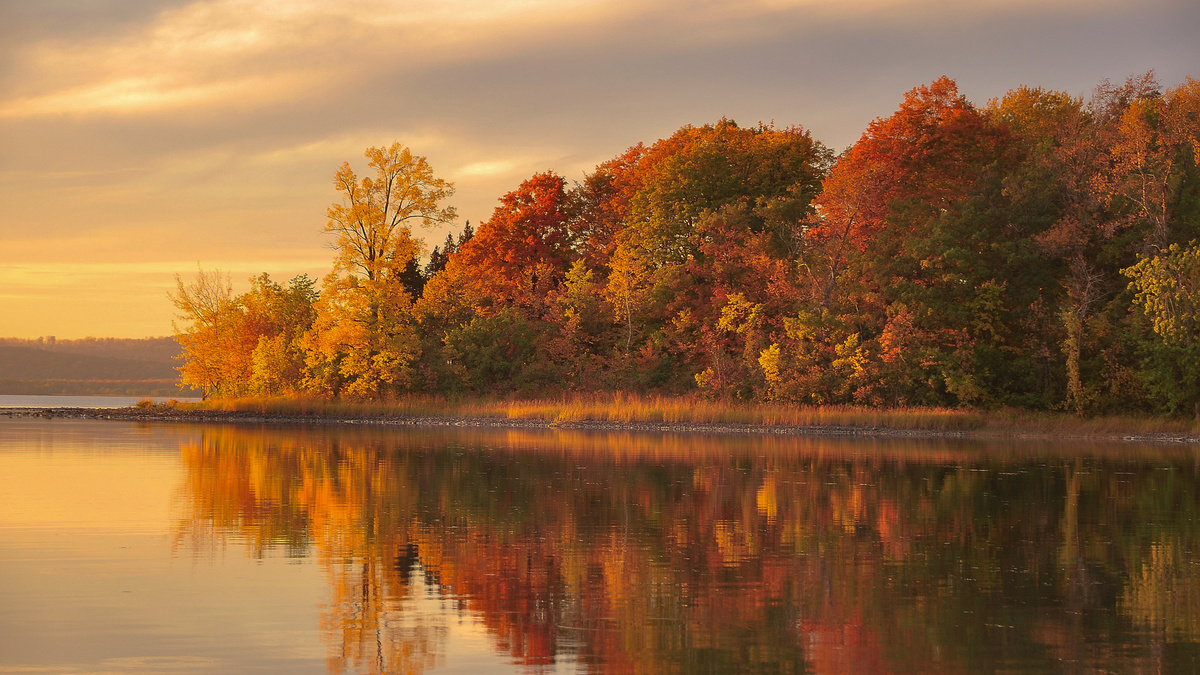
{"points": [[177, 416]]}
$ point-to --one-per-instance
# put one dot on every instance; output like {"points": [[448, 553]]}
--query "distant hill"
{"points": [[163, 388], [23, 363], [157, 349], [131, 367]]}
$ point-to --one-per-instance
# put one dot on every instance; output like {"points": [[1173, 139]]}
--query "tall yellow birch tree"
{"points": [[365, 341]]}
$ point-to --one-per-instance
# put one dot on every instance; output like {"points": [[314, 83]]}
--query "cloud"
{"points": [[152, 95], [491, 168], [169, 130], [69, 274], [244, 53]]}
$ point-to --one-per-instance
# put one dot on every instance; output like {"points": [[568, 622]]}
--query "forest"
{"points": [[1037, 252]]}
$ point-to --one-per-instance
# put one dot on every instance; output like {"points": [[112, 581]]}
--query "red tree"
{"points": [[524, 249]]}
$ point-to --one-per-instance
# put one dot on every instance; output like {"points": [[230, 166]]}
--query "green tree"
{"points": [[490, 354], [721, 165], [1050, 190]]}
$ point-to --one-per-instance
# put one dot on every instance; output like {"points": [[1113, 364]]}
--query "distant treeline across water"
{"points": [[114, 366]]}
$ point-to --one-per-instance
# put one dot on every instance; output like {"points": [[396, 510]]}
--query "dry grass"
{"points": [[627, 409], [415, 406], [1061, 424], [623, 408]]}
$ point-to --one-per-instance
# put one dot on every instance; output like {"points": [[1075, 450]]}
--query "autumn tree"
{"points": [[1152, 160], [523, 250], [245, 344], [283, 315], [372, 225], [364, 340], [627, 292], [741, 289], [1167, 290], [603, 199], [660, 284], [206, 307], [497, 284], [914, 246]]}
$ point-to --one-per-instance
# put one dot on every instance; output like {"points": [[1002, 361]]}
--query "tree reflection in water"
{"points": [[674, 553]]}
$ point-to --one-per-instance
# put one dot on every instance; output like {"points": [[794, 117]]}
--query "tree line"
{"points": [[1039, 252], [156, 349]]}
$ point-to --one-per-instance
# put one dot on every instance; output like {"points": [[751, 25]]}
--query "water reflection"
{"points": [[643, 553]]}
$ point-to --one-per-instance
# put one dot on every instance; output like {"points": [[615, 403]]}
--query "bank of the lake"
{"points": [[849, 422]]}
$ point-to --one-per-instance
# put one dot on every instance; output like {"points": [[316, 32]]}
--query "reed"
{"points": [[302, 406], [615, 407], [1062, 424], [623, 408]]}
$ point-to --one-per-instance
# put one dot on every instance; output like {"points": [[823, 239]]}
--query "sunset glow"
{"points": [[137, 142]]}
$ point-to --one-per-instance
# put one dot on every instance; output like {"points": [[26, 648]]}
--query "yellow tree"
{"points": [[207, 308], [373, 222], [628, 288], [364, 340], [245, 344], [1167, 289], [278, 316]]}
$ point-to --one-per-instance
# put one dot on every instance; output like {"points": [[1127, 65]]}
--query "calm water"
{"points": [[166, 549], [36, 401]]}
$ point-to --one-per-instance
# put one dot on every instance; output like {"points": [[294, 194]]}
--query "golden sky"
{"points": [[140, 139]]}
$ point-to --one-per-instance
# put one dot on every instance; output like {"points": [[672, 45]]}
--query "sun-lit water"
{"points": [[130, 547], [47, 401]]}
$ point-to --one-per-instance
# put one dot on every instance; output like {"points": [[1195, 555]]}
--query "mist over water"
{"points": [[181, 548]]}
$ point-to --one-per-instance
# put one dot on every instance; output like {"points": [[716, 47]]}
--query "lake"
{"points": [[139, 548], [55, 401]]}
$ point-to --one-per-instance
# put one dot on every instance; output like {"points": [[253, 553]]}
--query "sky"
{"points": [[144, 139]]}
